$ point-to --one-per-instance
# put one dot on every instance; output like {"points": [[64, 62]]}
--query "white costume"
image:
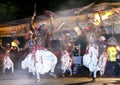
{"points": [[28, 62], [42, 62], [66, 62], [90, 59], [102, 63], [7, 62]]}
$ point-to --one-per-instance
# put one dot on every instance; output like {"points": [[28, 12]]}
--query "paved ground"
{"points": [[22, 79]]}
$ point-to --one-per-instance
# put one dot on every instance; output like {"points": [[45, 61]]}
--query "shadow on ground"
{"points": [[81, 83]]}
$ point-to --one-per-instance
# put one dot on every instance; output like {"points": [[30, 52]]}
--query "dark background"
{"points": [[18, 9]]}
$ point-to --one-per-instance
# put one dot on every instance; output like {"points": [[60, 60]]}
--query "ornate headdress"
{"points": [[112, 41]]}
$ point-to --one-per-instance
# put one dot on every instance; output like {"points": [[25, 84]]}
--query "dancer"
{"points": [[102, 55], [40, 61], [7, 63], [66, 62], [90, 59]]}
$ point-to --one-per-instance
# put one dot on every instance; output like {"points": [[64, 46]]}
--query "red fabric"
{"points": [[87, 28], [41, 60], [34, 51], [37, 48]]}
